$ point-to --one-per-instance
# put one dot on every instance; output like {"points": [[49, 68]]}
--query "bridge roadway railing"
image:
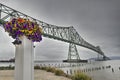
{"points": [[66, 34]]}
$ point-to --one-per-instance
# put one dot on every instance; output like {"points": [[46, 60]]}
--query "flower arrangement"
{"points": [[18, 27]]}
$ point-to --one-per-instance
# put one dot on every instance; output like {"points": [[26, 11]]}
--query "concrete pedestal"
{"points": [[24, 60]]}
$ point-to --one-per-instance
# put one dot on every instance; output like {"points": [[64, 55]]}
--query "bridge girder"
{"points": [[66, 34]]}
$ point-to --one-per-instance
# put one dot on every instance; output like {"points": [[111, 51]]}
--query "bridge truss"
{"points": [[66, 34]]}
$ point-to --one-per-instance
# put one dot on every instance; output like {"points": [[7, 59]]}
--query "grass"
{"points": [[80, 76], [7, 68], [59, 72], [37, 67], [51, 69]]}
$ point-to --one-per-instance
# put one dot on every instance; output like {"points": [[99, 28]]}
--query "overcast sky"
{"points": [[97, 21]]}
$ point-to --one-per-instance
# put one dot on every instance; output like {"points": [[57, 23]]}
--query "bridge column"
{"points": [[73, 53], [24, 65]]}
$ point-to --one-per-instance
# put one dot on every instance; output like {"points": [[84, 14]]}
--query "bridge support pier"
{"points": [[73, 55], [24, 63]]}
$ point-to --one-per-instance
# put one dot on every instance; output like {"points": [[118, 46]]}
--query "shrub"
{"points": [[51, 69], [43, 68], [37, 67], [80, 76], [59, 72], [7, 68]]}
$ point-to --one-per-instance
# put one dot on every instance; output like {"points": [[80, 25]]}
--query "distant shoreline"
{"points": [[6, 61], [34, 61]]}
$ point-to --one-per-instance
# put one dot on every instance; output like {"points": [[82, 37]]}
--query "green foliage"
{"points": [[51, 69], [59, 72], [43, 68], [7, 68], [80, 76], [37, 67]]}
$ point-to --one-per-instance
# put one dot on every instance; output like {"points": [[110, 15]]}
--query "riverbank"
{"points": [[38, 75]]}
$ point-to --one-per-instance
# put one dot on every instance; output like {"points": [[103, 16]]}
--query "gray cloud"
{"points": [[97, 21]]}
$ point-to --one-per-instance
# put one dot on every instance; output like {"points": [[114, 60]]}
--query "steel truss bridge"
{"points": [[66, 34]]}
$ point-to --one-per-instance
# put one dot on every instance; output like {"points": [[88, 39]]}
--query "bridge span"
{"points": [[66, 34]]}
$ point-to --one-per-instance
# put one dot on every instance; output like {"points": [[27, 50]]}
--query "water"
{"points": [[4, 64], [40, 63]]}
